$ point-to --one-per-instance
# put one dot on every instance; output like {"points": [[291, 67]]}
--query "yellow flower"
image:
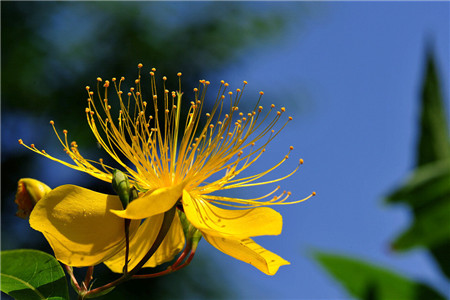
{"points": [[169, 171]]}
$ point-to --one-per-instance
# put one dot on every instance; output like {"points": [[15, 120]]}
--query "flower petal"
{"points": [[152, 203], [144, 238], [238, 224], [79, 226], [250, 252]]}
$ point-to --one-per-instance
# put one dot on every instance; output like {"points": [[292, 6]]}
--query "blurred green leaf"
{"points": [[32, 274], [427, 191], [434, 143], [366, 281]]}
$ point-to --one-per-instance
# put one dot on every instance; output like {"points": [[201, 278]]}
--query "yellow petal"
{"points": [[250, 252], [79, 226], [152, 203], [238, 224], [143, 240]]}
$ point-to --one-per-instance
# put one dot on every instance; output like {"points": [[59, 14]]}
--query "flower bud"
{"points": [[29, 192], [121, 186], [192, 234]]}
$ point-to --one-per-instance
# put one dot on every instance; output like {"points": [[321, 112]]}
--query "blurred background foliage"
{"points": [[52, 50], [427, 193]]}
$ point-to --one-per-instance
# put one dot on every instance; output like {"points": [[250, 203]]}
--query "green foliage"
{"points": [[32, 274], [427, 191], [366, 281], [434, 143]]}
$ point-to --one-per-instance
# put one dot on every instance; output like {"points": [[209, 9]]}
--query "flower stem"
{"points": [[88, 278], [127, 244], [165, 226]]}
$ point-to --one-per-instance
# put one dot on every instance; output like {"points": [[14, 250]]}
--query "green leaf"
{"points": [[32, 274], [434, 141], [427, 191], [367, 281]]}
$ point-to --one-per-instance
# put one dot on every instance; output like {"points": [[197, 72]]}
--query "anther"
{"points": [[283, 109], [291, 148], [106, 84], [301, 161], [153, 69], [179, 74], [136, 81], [230, 93], [152, 74], [226, 84], [207, 83], [238, 90], [113, 79], [195, 89], [245, 82], [20, 141], [273, 105], [51, 122], [137, 93], [290, 118], [313, 193], [32, 146], [87, 88], [99, 79], [164, 78], [129, 94], [122, 78], [286, 156], [65, 131], [140, 65]]}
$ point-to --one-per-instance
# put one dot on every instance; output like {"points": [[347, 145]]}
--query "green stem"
{"points": [[127, 244], [165, 226]]}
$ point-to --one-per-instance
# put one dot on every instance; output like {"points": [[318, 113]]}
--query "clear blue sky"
{"points": [[357, 69]]}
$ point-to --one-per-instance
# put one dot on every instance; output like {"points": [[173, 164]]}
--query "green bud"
{"points": [[121, 186], [192, 234]]}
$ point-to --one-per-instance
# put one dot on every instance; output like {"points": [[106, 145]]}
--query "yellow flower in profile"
{"points": [[168, 171]]}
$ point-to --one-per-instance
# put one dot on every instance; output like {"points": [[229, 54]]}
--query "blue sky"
{"points": [[357, 68]]}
